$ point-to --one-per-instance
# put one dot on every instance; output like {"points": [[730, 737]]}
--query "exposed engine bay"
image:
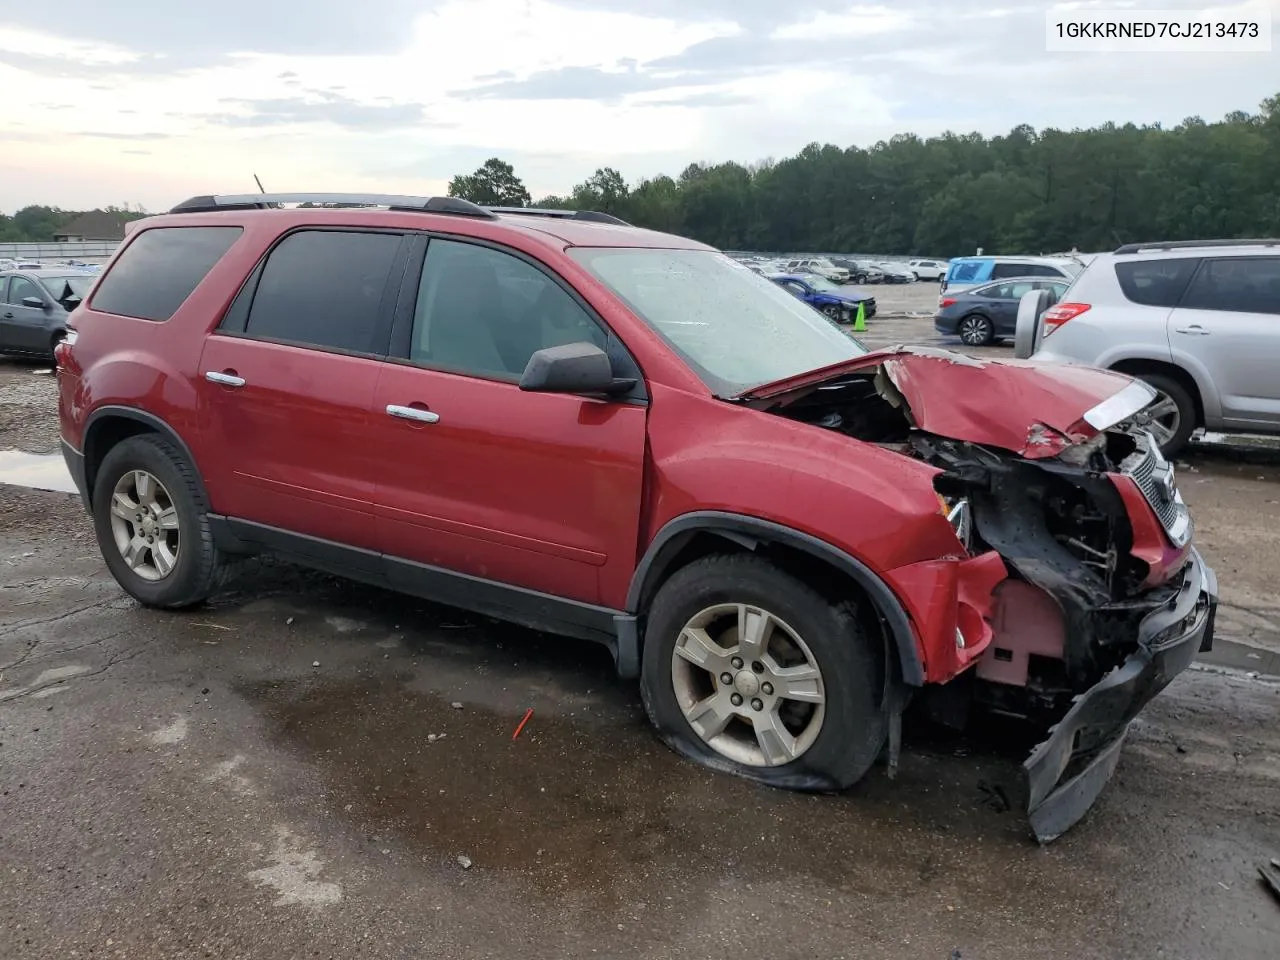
{"points": [[1058, 522], [1047, 470]]}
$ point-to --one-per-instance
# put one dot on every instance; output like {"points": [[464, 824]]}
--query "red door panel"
{"points": [[539, 491], [289, 448]]}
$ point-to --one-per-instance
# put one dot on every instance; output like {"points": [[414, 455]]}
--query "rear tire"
{"points": [[152, 524], [1174, 413], [819, 663], [976, 330]]}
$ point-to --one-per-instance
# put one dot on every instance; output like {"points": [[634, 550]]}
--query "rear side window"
{"points": [[1003, 270], [1155, 283], [157, 271], [1236, 285], [327, 289]]}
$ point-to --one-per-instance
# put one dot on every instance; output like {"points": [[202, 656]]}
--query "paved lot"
{"points": [[258, 779]]}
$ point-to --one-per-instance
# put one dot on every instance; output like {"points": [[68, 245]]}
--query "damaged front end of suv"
{"points": [[1103, 599]]}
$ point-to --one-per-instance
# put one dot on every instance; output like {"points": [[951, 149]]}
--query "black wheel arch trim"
{"points": [[150, 420], [749, 532]]}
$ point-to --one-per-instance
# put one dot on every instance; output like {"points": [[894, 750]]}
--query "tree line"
{"points": [[1027, 191], [38, 224]]}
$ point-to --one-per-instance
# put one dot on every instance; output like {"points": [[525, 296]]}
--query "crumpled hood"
{"points": [[1031, 408]]}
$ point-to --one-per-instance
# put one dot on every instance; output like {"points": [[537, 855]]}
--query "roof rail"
{"points": [[591, 216], [1192, 244], [266, 201]]}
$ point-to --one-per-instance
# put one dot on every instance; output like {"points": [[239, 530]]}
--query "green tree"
{"points": [[494, 184]]}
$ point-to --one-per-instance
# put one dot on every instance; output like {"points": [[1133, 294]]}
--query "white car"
{"points": [[929, 269], [820, 266], [1197, 320]]}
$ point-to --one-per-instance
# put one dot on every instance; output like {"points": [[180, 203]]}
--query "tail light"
{"points": [[1059, 314], [946, 302], [63, 348]]}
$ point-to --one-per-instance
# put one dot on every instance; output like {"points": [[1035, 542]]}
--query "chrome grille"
{"points": [[1154, 477]]}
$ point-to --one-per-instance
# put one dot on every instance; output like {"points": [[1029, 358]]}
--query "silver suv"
{"points": [[1197, 320]]}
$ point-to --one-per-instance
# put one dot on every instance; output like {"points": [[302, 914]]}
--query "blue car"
{"points": [[837, 302]]}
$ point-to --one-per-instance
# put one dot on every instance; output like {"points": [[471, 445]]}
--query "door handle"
{"points": [[412, 413], [1195, 330], [226, 379], [8, 316]]}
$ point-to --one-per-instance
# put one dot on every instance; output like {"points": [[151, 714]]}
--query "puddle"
{"points": [[47, 471], [593, 807]]}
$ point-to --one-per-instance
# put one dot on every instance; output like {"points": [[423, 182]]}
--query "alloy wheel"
{"points": [[975, 331], [144, 524], [1163, 418], [748, 685]]}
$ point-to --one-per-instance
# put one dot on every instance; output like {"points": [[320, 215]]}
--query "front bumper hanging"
{"points": [[1083, 748]]}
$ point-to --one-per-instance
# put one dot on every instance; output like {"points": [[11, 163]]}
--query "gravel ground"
{"points": [[258, 778]]}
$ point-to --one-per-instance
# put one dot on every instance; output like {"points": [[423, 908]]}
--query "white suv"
{"points": [[1197, 320], [929, 269]]}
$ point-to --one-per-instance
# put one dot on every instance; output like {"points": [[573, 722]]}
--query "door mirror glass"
{"points": [[572, 368], [34, 302]]}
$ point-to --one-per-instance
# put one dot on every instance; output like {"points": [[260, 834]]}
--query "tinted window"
{"points": [[1155, 283], [1242, 285], [325, 288], [1002, 270], [160, 268], [486, 312], [20, 287], [966, 272]]}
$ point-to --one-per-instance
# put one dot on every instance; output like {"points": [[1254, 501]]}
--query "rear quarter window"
{"points": [[157, 271], [1155, 283]]}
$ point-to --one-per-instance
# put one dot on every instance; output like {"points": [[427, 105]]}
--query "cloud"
{"points": [[330, 108], [73, 66], [567, 83], [210, 30], [125, 136]]}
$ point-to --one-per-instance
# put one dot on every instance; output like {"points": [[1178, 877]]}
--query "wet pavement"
{"points": [[284, 774]]}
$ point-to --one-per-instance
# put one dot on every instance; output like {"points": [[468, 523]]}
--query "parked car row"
{"points": [[849, 270]]}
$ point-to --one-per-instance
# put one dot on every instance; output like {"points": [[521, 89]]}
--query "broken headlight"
{"points": [[959, 515]]}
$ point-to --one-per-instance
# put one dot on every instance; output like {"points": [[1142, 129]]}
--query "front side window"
{"points": [[485, 312], [325, 288], [160, 268], [1236, 285], [735, 329], [22, 287]]}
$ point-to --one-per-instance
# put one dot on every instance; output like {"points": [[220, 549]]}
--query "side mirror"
{"points": [[34, 302], [1027, 332], [71, 302], [572, 368]]}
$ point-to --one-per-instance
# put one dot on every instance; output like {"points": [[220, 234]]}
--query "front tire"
{"points": [[152, 524], [748, 670]]}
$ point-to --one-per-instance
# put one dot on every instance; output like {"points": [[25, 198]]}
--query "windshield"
{"points": [[74, 285], [735, 328], [821, 283]]}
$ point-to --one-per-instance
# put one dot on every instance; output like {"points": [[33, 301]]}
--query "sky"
{"points": [[147, 102]]}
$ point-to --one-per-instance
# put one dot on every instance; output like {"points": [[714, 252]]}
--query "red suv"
{"points": [[610, 433]]}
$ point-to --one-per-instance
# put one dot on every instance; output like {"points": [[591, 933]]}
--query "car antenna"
{"points": [[259, 183]]}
